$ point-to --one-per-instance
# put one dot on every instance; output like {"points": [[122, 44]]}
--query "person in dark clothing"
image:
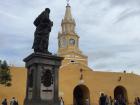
{"points": [[13, 101], [138, 98], [16, 102], [116, 102], [135, 101], [4, 102], [102, 100]]}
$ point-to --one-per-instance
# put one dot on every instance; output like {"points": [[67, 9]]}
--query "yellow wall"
{"points": [[69, 77], [96, 82], [18, 86]]}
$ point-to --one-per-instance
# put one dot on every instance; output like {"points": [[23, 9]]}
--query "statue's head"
{"points": [[47, 9]]}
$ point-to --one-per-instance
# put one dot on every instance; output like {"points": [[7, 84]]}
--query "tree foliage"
{"points": [[5, 75]]}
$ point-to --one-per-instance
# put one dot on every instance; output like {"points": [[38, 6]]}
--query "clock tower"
{"points": [[68, 41]]}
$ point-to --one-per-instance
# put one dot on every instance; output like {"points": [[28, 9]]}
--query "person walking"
{"points": [[13, 101], [102, 99], [4, 102], [107, 100], [16, 102], [110, 100]]}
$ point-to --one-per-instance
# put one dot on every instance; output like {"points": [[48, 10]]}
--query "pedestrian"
{"points": [[87, 101], [138, 98], [61, 101], [136, 102], [110, 100], [13, 101], [4, 102], [116, 102], [107, 100], [16, 102], [102, 99]]}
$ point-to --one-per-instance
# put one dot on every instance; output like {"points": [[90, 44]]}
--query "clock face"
{"points": [[72, 41]]}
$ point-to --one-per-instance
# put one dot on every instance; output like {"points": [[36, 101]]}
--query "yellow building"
{"points": [[79, 82], [76, 80]]}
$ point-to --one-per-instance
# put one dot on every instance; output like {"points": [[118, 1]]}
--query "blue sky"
{"points": [[109, 30]]}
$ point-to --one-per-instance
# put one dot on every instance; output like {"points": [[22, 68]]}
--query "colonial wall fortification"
{"points": [[97, 82], [69, 79]]}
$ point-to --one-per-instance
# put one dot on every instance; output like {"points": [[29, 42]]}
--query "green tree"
{"points": [[0, 63], [5, 75]]}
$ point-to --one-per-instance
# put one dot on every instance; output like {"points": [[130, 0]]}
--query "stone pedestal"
{"points": [[42, 79]]}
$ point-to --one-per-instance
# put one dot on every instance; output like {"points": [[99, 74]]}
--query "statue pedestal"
{"points": [[42, 79]]}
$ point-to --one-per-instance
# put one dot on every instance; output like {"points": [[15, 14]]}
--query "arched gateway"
{"points": [[81, 95], [120, 94]]}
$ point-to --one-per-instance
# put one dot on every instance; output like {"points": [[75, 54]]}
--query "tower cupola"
{"points": [[68, 40], [68, 23]]}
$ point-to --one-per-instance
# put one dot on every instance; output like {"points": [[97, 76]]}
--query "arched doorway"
{"points": [[120, 94], [81, 95]]}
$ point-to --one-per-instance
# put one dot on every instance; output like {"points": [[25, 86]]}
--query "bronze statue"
{"points": [[43, 28]]}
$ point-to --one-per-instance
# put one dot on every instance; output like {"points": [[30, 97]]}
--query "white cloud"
{"points": [[108, 29]]}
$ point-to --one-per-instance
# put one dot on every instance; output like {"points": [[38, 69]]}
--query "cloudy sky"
{"points": [[109, 30]]}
